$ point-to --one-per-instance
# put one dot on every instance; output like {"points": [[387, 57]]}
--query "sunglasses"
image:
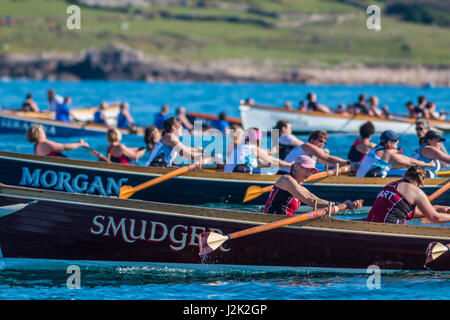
{"points": [[322, 141], [419, 129]]}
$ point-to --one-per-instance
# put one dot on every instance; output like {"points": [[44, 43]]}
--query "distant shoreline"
{"points": [[123, 63]]}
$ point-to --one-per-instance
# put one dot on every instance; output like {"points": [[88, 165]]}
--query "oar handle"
{"points": [[280, 223], [97, 154], [251, 193]]}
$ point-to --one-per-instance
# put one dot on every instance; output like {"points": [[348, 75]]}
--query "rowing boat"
{"points": [[55, 226], [194, 187], [81, 114], [208, 118], [13, 122], [266, 117]]}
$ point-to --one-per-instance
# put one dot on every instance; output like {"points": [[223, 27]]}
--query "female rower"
{"points": [[45, 147], [379, 160], [170, 146], [314, 149], [362, 145], [431, 150], [124, 119], [245, 157], [99, 115], [431, 113], [151, 137], [311, 104], [29, 104], [287, 141], [403, 200], [118, 152], [288, 193]]}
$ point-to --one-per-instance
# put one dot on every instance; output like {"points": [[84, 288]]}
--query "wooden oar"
{"points": [[443, 173], [255, 191], [128, 191], [434, 195], [7, 210], [210, 241], [435, 250]]}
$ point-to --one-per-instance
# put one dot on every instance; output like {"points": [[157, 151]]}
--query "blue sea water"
{"points": [[149, 282]]}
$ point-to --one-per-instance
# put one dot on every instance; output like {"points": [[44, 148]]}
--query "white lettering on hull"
{"points": [[64, 181], [131, 230], [24, 125]]}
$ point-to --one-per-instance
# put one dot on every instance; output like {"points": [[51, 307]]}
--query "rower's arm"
{"points": [[290, 185], [433, 153], [128, 152], [58, 147], [364, 148], [407, 161], [324, 157], [425, 209], [185, 151], [263, 155], [297, 142]]}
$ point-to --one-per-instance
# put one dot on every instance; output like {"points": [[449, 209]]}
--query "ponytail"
{"points": [[168, 123], [416, 173]]}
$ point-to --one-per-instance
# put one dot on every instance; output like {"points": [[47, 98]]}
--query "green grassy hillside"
{"points": [[289, 32]]}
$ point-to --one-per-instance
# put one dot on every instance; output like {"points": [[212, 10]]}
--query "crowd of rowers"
{"points": [[61, 106], [397, 202], [369, 107]]}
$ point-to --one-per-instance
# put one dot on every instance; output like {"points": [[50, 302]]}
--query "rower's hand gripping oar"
{"points": [[128, 191], [434, 195], [210, 241], [255, 191]]}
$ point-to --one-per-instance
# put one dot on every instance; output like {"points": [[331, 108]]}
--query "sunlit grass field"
{"points": [[40, 26]]}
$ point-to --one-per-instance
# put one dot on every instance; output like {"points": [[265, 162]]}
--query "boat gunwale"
{"points": [[206, 174], [46, 114], [337, 115], [66, 125]]}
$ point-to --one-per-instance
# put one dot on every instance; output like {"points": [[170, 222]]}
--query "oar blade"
{"points": [[252, 193], [126, 192], [210, 241], [435, 250], [7, 210]]}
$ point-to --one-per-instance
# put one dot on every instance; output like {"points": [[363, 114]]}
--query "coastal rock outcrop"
{"points": [[120, 62]]}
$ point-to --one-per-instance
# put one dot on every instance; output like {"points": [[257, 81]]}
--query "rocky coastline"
{"points": [[118, 62]]}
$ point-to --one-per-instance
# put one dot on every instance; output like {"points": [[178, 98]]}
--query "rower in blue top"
{"points": [[63, 111], [161, 117], [125, 120], [221, 124], [99, 115]]}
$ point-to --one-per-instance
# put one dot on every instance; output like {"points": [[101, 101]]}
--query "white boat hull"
{"points": [[304, 122]]}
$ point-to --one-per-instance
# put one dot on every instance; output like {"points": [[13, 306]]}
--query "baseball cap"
{"points": [[389, 135], [433, 135], [306, 162]]}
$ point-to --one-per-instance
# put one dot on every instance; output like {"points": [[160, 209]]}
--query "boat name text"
{"points": [[179, 235], [64, 181]]}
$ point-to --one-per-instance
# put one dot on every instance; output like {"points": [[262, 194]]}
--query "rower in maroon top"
{"points": [[362, 145], [287, 194], [118, 152], [403, 200]]}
